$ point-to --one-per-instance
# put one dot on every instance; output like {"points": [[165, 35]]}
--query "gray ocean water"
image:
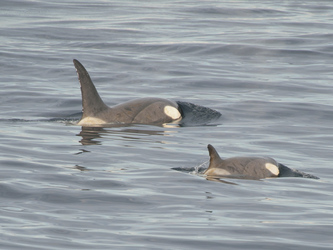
{"points": [[265, 65]]}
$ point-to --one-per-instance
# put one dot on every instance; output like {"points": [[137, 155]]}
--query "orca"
{"points": [[142, 111], [248, 167]]}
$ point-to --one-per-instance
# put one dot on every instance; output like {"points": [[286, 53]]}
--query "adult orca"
{"points": [[143, 111], [248, 167]]}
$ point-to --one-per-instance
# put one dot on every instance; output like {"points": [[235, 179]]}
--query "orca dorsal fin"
{"points": [[91, 101], [215, 159]]}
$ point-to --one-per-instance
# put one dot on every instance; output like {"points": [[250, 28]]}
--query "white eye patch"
{"points": [[172, 112], [272, 168]]}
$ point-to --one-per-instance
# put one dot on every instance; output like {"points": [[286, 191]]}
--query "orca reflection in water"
{"points": [[142, 111], [248, 167]]}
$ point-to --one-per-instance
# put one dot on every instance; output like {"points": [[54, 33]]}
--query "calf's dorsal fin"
{"points": [[215, 159]]}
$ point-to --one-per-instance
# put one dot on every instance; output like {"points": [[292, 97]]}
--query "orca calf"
{"points": [[248, 167]]}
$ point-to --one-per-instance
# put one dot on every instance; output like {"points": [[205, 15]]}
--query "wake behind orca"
{"points": [[154, 110]]}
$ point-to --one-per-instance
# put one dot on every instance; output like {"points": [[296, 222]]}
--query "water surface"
{"points": [[267, 67]]}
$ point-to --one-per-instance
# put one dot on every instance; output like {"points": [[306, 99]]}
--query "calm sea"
{"points": [[265, 65]]}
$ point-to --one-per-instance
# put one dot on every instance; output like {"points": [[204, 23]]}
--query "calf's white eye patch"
{"points": [[272, 168]]}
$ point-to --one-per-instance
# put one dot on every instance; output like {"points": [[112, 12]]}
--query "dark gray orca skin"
{"points": [[148, 110], [249, 167]]}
